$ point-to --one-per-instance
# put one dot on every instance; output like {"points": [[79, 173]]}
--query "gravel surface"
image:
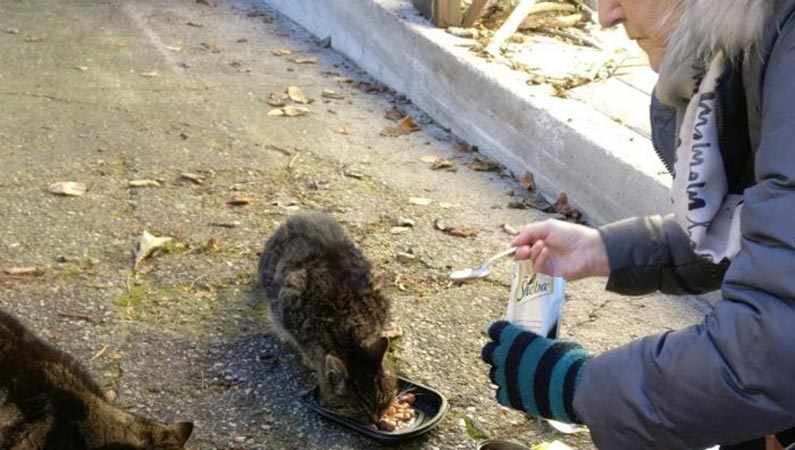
{"points": [[106, 92]]}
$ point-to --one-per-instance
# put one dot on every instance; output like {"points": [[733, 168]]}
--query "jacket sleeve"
{"points": [[731, 377], [654, 254]]}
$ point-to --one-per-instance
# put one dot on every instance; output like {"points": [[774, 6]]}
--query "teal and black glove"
{"points": [[534, 374]]}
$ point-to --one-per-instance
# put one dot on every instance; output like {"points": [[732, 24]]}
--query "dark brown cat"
{"points": [[49, 402], [323, 299]]}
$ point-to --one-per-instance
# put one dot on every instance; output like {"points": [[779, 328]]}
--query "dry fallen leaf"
{"points": [[562, 204], [305, 60], [528, 181], [151, 74], [282, 52], [143, 183], [405, 126], [210, 46], [482, 164], [332, 94], [420, 201], [444, 164], [277, 100], [469, 33], [239, 201], [465, 232], [353, 173], [537, 201], [395, 113], [455, 231], [323, 43], [295, 94], [290, 111], [148, 244], [68, 188], [192, 177], [460, 147], [23, 271]]}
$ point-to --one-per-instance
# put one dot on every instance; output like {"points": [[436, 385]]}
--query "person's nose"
{"points": [[610, 13]]}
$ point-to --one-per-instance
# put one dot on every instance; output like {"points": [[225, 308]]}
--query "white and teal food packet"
{"points": [[536, 300]]}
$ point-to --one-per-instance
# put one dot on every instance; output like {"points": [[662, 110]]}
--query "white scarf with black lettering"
{"points": [[701, 202]]}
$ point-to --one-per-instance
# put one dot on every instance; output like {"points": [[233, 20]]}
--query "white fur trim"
{"points": [[708, 26]]}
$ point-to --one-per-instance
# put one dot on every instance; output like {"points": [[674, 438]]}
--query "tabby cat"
{"points": [[324, 300], [49, 402]]}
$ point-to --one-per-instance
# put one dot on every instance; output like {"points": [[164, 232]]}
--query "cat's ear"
{"points": [[337, 374], [171, 436], [377, 350], [182, 431]]}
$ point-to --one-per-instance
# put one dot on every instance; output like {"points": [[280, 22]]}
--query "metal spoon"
{"points": [[483, 270]]}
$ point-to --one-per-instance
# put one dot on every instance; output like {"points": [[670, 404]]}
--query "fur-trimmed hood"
{"points": [[705, 27], [729, 25]]}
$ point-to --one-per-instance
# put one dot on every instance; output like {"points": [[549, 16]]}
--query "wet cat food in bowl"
{"points": [[400, 414], [410, 415]]}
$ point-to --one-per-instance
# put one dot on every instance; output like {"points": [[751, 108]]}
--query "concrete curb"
{"points": [[570, 147]]}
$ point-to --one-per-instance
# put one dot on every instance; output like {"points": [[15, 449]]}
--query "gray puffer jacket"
{"points": [[730, 378]]}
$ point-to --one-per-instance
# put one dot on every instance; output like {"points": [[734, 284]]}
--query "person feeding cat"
{"points": [[722, 115]]}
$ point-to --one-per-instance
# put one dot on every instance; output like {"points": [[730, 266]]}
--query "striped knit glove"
{"points": [[534, 374]]}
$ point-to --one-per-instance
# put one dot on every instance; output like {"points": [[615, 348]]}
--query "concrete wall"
{"points": [[604, 167]]}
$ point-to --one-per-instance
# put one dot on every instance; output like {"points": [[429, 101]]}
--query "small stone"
{"points": [[143, 183], [405, 258], [404, 222], [332, 94], [399, 230], [419, 201]]}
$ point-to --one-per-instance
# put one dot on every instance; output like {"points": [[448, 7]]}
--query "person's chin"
{"points": [[654, 64], [655, 58]]}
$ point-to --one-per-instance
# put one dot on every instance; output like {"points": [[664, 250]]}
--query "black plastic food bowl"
{"points": [[498, 444], [429, 405]]}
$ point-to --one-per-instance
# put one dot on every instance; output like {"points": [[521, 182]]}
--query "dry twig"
{"points": [[81, 316], [510, 26], [99, 353]]}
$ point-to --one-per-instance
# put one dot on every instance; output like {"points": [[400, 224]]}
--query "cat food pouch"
{"points": [[536, 300]]}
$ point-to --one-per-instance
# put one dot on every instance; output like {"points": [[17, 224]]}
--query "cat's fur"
{"points": [[323, 299], [49, 402]]}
